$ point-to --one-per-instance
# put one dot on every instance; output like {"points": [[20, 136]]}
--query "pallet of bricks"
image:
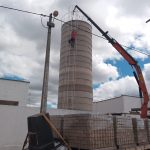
{"points": [[89, 131], [95, 131], [123, 130], [147, 125], [140, 131], [86, 131], [57, 121]]}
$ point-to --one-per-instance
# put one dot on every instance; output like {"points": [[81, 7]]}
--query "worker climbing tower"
{"points": [[75, 74]]}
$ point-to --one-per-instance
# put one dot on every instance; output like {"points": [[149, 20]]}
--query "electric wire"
{"points": [[25, 11], [42, 22], [136, 50], [43, 15], [60, 20], [103, 37], [80, 28]]}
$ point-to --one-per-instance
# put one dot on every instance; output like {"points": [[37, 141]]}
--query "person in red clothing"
{"points": [[73, 38]]}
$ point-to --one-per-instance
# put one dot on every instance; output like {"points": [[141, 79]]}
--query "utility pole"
{"points": [[50, 25]]}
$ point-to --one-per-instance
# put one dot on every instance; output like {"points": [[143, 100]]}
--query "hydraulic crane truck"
{"points": [[132, 62]]}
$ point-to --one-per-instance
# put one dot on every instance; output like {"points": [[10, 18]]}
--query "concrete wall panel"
{"points": [[11, 90]]}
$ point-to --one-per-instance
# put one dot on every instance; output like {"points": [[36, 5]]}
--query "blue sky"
{"points": [[140, 52], [124, 68]]}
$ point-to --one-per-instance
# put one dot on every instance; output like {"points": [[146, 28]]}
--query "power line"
{"points": [[43, 23], [80, 28], [136, 50], [103, 37], [29, 12], [60, 20], [43, 15]]}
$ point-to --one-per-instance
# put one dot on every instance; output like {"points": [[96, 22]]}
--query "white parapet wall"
{"points": [[13, 124], [114, 105], [14, 90], [122, 104]]}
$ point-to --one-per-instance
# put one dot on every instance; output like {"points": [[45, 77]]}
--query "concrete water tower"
{"points": [[75, 74]]}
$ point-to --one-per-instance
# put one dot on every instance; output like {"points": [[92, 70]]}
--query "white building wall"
{"points": [[13, 124], [122, 104], [14, 91], [131, 102], [114, 105]]}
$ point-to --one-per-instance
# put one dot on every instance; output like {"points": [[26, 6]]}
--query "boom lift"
{"points": [[136, 68]]}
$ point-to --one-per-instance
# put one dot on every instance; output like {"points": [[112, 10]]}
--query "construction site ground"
{"points": [[144, 147]]}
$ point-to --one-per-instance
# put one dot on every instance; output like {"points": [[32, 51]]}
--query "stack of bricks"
{"points": [[147, 125], [140, 131], [77, 130], [124, 132], [86, 131], [101, 131], [57, 121], [95, 131]]}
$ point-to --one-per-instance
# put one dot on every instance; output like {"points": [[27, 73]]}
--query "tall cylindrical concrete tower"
{"points": [[75, 74]]}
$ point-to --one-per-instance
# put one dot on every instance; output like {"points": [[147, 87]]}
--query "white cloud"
{"points": [[17, 65], [110, 89], [103, 72], [23, 42], [122, 86]]}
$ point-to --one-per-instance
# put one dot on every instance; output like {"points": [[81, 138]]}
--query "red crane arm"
{"points": [[138, 75], [142, 86], [137, 70]]}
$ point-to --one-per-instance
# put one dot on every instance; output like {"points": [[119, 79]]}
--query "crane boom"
{"points": [[136, 68]]}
